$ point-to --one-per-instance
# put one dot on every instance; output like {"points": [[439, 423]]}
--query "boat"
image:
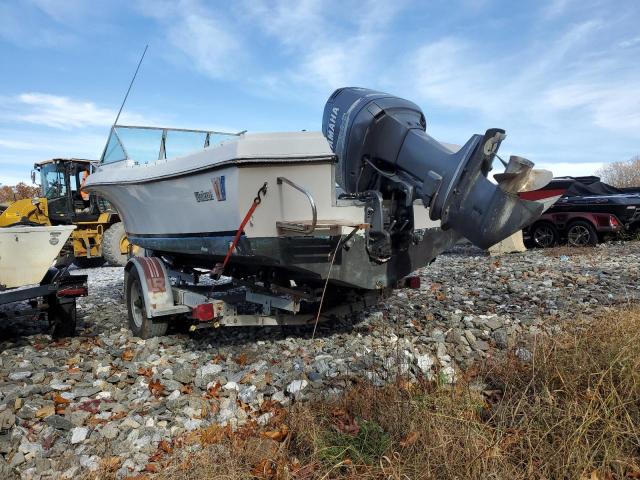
{"points": [[550, 193], [27, 252], [590, 194], [583, 212], [361, 204], [27, 274]]}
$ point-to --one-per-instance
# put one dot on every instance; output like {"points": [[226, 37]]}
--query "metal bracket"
{"points": [[304, 228], [378, 239], [268, 302]]}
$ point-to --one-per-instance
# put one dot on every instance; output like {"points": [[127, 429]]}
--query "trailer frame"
{"points": [[157, 294], [58, 291]]}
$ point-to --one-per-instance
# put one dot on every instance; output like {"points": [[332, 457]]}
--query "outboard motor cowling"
{"points": [[386, 158]]}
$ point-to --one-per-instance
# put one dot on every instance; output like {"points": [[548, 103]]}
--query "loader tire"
{"points": [[141, 326], [111, 245]]}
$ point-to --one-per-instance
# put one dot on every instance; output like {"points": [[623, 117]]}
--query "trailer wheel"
{"points": [[62, 317], [582, 234], [544, 235], [140, 325]]}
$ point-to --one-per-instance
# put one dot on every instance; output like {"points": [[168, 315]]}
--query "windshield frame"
{"points": [[162, 146]]}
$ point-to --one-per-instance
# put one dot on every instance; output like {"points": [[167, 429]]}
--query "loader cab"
{"points": [[61, 183]]}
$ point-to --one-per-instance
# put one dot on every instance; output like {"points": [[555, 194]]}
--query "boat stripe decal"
{"points": [[145, 269], [158, 267], [152, 268], [153, 274], [161, 279]]}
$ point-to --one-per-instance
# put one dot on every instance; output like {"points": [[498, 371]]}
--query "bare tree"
{"points": [[9, 194], [622, 174]]}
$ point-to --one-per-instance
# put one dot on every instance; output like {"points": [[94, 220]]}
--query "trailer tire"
{"points": [[63, 317], [140, 325], [111, 241], [582, 234], [544, 235]]}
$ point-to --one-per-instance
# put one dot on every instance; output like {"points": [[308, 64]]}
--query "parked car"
{"points": [[587, 211]]}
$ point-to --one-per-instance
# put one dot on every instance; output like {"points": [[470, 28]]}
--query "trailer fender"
{"points": [[156, 286]]}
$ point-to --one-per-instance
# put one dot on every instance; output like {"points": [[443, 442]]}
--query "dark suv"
{"points": [[586, 211]]}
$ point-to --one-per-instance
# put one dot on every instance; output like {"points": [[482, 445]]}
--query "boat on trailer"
{"points": [[296, 217]]}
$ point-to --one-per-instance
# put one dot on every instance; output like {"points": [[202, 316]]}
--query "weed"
{"points": [[365, 448]]}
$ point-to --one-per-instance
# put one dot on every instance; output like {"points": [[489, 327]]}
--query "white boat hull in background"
{"points": [[26, 253]]}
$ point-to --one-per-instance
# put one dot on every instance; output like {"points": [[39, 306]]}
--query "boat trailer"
{"points": [[157, 294]]}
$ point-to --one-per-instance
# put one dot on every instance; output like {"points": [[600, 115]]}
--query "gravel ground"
{"points": [[66, 405]]}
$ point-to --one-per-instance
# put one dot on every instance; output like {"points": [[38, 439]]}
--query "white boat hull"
{"points": [[166, 217], [26, 253]]}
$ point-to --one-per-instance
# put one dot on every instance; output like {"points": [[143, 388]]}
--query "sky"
{"points": [[562, 77]]}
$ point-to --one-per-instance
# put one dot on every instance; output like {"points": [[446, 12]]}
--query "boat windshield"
{"points": [[53, 181], [147, 144]]}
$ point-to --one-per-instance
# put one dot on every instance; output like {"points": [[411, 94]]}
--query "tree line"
{"points": [[622, 174], [10, 194]]}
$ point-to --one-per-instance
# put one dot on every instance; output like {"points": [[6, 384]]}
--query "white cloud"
{"points": [[69, 11], [57, 126], [324, 52], [571, 169], [20, 149], [21, 27], [629, 42], [14, 178], [204, 36], [455, 72], [567, 84], [206, 41], [573, 98], [555, 8], [610, 105], [15, 145], [37, 144], [60, 112]]}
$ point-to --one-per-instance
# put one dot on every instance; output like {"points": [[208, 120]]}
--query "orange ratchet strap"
{"points": [[219, 268]]}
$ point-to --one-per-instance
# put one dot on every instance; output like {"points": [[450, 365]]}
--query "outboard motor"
{"points": [[387, 160]]}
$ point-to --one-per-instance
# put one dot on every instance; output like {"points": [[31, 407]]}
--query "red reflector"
{"points": [[413, 282], [613, 221], [73, 292], [203, 312]]}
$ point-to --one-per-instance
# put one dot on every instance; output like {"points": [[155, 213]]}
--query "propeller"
{"points": [[520, 176]]}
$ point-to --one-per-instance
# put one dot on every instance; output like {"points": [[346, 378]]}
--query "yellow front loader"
{"points": [[99, 235]]}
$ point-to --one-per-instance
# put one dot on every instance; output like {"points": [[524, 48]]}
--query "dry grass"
{"points": [[573, 411]]}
